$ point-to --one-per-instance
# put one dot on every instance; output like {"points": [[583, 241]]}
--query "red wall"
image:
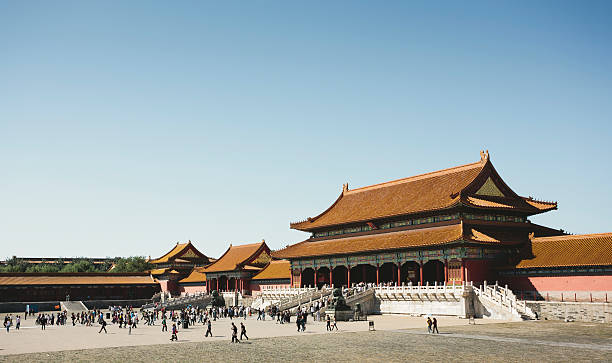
{"points": [[560, 283], [192, 289], [478, 271], [168, 285]]}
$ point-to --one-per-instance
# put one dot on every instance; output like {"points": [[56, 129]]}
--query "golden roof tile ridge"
{"points": [[572, 237], [418, 177]]}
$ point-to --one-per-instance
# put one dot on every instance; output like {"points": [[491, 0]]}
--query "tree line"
{"points": [[118, 264]]}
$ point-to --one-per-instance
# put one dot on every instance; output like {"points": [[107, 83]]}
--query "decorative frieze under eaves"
{"points": [[380, 258], [229, 274]]}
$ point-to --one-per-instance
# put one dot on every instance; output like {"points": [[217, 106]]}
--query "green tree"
{"points": [[131, 264], [14, 264], [80, 265]]}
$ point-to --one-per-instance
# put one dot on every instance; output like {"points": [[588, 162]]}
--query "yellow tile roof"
{"points": [[426, 192], [277, 269], [196, 275], [75, 279], [572, 250], [158, 271], [235, 256], [178, 251]]}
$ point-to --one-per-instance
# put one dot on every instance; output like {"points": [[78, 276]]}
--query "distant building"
{"points": [[234, 270], [177, 264], [60, 286]]}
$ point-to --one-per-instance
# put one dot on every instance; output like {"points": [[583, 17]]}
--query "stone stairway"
{"points": [[201, 300], [73, 306], [503, 302], [307, 297]]}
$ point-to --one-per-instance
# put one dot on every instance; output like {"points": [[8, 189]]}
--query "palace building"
{"points": [[234, 270], [178, 264], [453, 225]]}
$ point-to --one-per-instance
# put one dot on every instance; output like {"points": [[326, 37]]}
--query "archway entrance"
{"points": [[433, 271], [323, 277], [363, 273], [307, 277], [388, 273], [411, 273], [339, 276]]}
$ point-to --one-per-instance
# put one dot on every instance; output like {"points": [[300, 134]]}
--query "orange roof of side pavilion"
{"points": [[569, 250], [244, 257], [181, 253], [476, 185]]}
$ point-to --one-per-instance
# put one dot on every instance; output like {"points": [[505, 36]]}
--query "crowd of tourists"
{"points": [[8, 322]]}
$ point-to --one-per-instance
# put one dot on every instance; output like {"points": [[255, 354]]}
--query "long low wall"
{"points": [[452, 308], [19, 307], [587, 283], [578, 311]]}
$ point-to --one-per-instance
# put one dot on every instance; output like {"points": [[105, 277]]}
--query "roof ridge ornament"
{"points": [[484, 156], [345, 188]]}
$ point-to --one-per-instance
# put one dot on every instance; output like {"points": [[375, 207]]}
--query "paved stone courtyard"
{"points": [[397, 338]]}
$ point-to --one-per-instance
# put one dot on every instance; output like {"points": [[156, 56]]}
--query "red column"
{"points": [[421, 271], [462, 270], [446, 270], [236, 283], [315, 278], [377, 271], [227, 284], [300, 279], [291, 278], [330, 276], [348, 276], [399, 274]]}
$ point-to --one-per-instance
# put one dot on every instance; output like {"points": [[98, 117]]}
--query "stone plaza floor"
{"points": [[397, 338]]}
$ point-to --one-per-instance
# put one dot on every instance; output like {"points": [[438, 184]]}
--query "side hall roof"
{"points": [[196, 275], [61, 278], [412, 238], [276, 269], [477, 185], [236, 257], [185, 250], [570, 250]]}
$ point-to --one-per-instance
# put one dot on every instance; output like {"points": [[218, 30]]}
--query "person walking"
{"points": [[334, 324], [18, 323], [103, 323], [234, 333], [328, 325], [174, 336], [208, 329], [164, 324], [434, 324], [429, 323], [243, 331]]}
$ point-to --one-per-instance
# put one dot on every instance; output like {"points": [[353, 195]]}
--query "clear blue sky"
{"points": [[128, 126]]}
